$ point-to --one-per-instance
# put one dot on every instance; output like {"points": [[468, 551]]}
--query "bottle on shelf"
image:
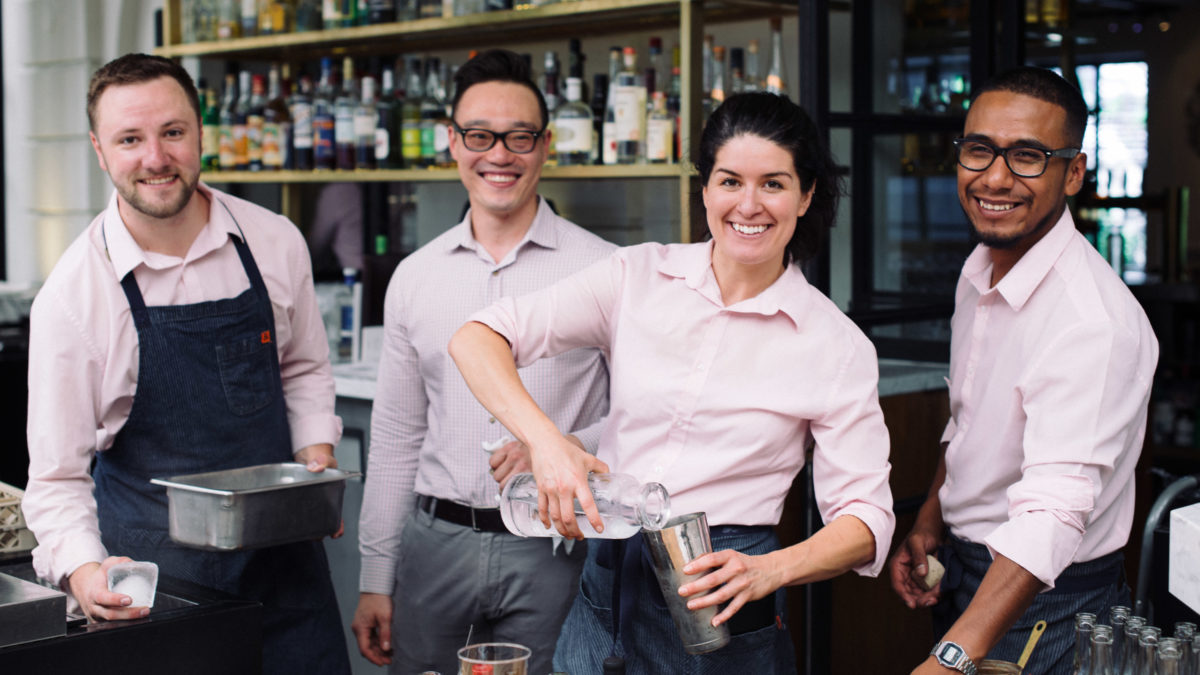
{"points": [[387, 133], [737, 72], [608, 151], [347, 302], [229, 19], [309, 15], [574, 127], [255, 117], [575, 59], [625, 506], [599, 105], [660, 132], [429, 9], [630, 109], [410, 115], [343, 118], [381, 11], [717, 95], [241, 141], [654, 68], [249, 17], [553, 101], [301, 107], [433, 109], [674, 93], [776, 81], [337, 13], [365, 119], [706, 72], [276, 17], [210, 133], [753, 81], [277, 125], [227, 156], [324, 157]]}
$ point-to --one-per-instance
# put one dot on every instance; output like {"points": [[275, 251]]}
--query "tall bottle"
{"points": [[717, 96], [608, 151], [301, 107], [553, 100], [706, 72], [227, 156], [324, 157], [575, 59], [381, 11], [1168, 659], [660, 132], [1117, 617], [241, 115], [343, 118], [255, 119], [599, 106], [249, 17], [1100, 649], [1148, 639], [573, 127], [277, 124], [776, 81], [210, 133], [1085, 623], [229, 19], [309, 15], [347, 315], [1133, 629], [625, 506], [387, 134], [630, 110], [410, 116], [365, 119], [654, 72], [737, 70]]}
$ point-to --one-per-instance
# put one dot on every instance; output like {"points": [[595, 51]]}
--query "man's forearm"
{"points": [[1005, 593]]}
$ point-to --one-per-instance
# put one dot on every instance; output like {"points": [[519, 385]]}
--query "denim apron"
{"points": [[209, 397]]}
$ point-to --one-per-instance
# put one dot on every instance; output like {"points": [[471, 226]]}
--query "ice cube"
{"points": [[136, 579]]}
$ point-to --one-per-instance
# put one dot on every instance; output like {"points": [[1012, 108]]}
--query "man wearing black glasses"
{"points": [[1051, 363], [438, 565]]}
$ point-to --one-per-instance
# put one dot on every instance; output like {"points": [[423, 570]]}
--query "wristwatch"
{"points": [[953, 656]]}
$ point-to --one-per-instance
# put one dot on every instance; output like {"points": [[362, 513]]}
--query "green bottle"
{"points": [[210, 132]]}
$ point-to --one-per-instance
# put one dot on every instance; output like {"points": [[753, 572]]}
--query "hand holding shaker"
{"points": [[680, 541], [625, 506]]}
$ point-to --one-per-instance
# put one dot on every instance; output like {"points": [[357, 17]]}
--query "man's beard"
{"points": [[160, 210]]}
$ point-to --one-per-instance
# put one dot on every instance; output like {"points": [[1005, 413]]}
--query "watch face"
{"points": [[950, 653]]}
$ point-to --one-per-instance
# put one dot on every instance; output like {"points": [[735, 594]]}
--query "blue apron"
{"points": [[209, 397]]}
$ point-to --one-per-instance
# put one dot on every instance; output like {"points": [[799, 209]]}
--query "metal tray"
{"points": [[254, 506]]}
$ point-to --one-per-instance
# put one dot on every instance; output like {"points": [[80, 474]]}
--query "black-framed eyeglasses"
{"points": [[519, 141], [1023, 160]]}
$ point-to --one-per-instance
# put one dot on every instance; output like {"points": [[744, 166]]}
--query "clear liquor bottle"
{"points": [[608, 151], [365, 119], [753, 81], [343, 115], [599, 106], [776, 81], [433, 109], [625, 506], [630, 111], [1168, 658], [301, 107], [573, 127], [1133, 628], [227, 156], [1100, 657], [277, 124], [241, 142], [660, 132], [255, 118]]}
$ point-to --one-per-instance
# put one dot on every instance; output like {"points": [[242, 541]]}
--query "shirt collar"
{"points": [[126, 255], [789, 295], [541, 232], [1023, 279]]}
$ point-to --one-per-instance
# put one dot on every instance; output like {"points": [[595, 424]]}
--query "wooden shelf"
{"points": [[438, 175]]}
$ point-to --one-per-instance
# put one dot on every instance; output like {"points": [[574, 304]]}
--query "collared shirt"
{"points": [[83, 354], [719, 403], [1050, 375], [427, 429]]}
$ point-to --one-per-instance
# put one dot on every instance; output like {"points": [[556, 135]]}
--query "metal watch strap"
{"points": [[961, 662]]}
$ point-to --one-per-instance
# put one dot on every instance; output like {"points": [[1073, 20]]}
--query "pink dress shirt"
{"points": [[1050, 375], [719, 403], [83, 354], [427, 429]]}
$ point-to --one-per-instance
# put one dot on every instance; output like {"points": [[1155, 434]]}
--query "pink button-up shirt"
{"points": [[719, 403], [83, 354], [1050, 375]]}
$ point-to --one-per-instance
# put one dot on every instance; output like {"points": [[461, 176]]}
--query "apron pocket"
{"points": [[247, 374]]}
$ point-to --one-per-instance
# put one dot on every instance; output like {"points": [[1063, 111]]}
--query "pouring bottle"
{"points": [[625, 506]]}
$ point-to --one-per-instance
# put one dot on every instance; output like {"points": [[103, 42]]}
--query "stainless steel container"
{"points": [[29, 612], [255, 506]]}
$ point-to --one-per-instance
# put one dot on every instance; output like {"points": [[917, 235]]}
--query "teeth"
{"points": [[159, 181], [499, 178], [994, 207], [749, 229]]}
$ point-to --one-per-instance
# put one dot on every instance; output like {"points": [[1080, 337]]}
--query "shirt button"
{"points": [[495, 273], [491, 420]]}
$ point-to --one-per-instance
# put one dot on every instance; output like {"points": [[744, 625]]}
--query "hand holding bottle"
{"points": [[561, 469]]}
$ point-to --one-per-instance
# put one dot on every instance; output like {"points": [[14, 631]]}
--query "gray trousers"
{"points": [[500, 587]]}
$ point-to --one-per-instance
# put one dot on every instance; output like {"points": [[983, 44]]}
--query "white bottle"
{"points": [[573, 127], [625, 506], [660, 132]]}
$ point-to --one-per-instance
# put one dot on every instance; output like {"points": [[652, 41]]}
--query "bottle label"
{"points": [[659, 135], [227, 157], [441, 138], [344, 129], [254, 138], [573, 135], [383, 144], [241, 145], [323, 141], [364, 126], [609, 152], [410, 141], [210, 141], [302, 123], [630, 109], [272, 154]]}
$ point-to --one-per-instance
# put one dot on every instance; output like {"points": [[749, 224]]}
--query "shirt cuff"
{"points": [[1039, 542], [314, 429], [56, 563], [882, 525], [378, 575]]}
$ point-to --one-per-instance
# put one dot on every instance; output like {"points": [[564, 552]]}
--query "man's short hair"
{"points": [[497, 65], [135, 69], [1044, 85]]}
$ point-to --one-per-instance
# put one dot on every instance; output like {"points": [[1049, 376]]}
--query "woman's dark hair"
{"points": [[497, 65], [778, 120]]}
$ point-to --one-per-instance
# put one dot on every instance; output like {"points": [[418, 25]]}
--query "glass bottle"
{"points": [[433, 110], [1100, 656], [630, 109], [608, 150], [227, 157], [347, 320], [706, 70], [365, 119], [753, 82], [1133, 628], [387, 136], [717, 95], [776, 82], [1168, 658], [575, 59], [737, 70], [654, 69], [343, 116], [625, 506], [210, 133], [324, 157], [301, 107], [1117, 616], [1147, 649], [660, 132], [599, 107], [1185, 631], [573, 127], [241, 113], [410, 115], [381, 11], [553, 102], [229, 19], [249, 17], [308, 15], [255, 117], [277, 124], [1085, 623]]}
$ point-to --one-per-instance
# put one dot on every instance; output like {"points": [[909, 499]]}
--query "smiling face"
{"points": [[752, 200], [147, 138], [1007, 212], [501, 184]]}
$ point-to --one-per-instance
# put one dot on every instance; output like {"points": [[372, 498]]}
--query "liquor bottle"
{"points": [[309, 15], [227, 156], [241, 141], [706, 71], [660, 132], [1085, 623], [625, 506], [433, 109], [277, 125], [429, 9], [442, 129], [334, 15], [654, 69], [630, 111], [275, 17], [573, 127], [776, 82], [387, 135], [210, 133], [550, 92], [343, 118], [753, 82], [249, 17], [324, 156], [347, 315], [365, 119], [381, 11], [410, 116], [673, 96], [1100, 656], [717, 96], [599, 106], [229, 19], [301, 106], [255, 117], [575, 59], [737, 70]]}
